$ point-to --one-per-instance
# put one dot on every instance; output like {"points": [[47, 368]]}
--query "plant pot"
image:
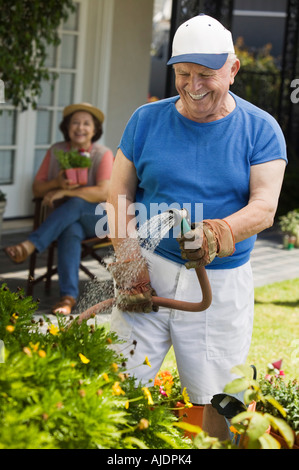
{"points": [[71, 175], [77, 175], [193, 415], [82, 176], [282, 442]]}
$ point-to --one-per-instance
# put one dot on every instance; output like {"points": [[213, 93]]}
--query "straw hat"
{"points": [[72, 108]]}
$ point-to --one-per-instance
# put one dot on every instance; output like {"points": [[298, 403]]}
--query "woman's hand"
{"points": [[63, 182], [52, 196]]}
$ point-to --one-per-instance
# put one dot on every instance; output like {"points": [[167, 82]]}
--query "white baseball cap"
{"points": [[202, 40]]}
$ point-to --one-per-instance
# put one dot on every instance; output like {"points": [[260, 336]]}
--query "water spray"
{"points": [[179, 217]]}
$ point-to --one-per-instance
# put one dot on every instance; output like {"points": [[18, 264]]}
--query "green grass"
{"points": [[276, 327], [275, 330]]}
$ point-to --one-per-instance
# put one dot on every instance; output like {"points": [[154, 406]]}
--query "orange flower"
{"points": [[163, 377]]}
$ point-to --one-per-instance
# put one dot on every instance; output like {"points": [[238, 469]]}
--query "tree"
{"points": [[27, 28]]}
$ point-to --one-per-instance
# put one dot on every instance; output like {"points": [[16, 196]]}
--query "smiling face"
{"points": [[204, 92], [81, 130]]}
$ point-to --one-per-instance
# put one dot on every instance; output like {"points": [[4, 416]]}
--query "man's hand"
{"points": [[207, 240], [134, 291]]}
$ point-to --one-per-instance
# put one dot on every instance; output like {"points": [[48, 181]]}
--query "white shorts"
{"points": [[206, 344]]}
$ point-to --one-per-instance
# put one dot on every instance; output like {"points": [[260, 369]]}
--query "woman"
{"points": [[73, 218]]}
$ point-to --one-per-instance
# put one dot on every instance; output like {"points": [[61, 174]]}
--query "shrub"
{"points": [[67, 388]]}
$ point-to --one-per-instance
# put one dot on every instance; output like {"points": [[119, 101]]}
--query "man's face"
{"points": [[203, 91]]}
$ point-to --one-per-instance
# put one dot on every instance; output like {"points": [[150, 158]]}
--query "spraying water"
{"points": [[153, 230], [148, 236]]}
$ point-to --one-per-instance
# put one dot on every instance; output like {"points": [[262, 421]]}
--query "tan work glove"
{"points": [[209, 238], [134, 291]]}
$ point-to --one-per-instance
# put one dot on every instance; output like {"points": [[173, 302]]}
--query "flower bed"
{"points": [[67, 388]]}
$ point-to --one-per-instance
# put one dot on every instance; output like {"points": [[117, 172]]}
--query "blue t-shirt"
{"points": [[189, 164]]}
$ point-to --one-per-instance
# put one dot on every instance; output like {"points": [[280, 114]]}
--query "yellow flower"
{"points": [[186, 398], [147, 362], [53, 330], [117, 390], [15, 315], [34, 347], [148, 395], [105, 377], [42, 353], [143, 424], [10, 328], [27, 351], [127, 404], [114, 366], [84, 359]]}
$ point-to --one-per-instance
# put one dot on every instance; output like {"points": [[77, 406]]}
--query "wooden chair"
{"points": [[90, 247]]}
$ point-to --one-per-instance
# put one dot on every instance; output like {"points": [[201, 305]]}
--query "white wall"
{"points": [[117, 61], [130, 64]]}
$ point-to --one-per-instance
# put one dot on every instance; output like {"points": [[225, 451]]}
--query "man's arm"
{"points": [[217, 237], [121, 194], [265, 186]]}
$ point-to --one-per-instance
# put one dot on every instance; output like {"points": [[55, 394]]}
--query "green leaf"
{"points": [[269, 442], [243, 370], [237, 385], [188, 427], [134, 441], [283, 428], [277, 405], [242, 417], [258, 426]]}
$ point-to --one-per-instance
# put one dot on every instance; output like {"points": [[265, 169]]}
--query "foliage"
{"points": [[67, 388], [27, 28], [289, 222], [287, 394], [258, 80], [2, 196], [73, 159], [256, 424]]}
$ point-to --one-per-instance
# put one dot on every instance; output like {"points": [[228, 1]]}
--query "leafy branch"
{"points": [[27, 28]]}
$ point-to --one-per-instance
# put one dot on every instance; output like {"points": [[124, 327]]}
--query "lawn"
{"points": [[275, 331]]}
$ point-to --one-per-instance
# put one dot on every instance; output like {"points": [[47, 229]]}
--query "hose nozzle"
{"points": [[181, 216]]}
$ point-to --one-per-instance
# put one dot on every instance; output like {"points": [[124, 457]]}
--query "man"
{"points": [[206, 146]]}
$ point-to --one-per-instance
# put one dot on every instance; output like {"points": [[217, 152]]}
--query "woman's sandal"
{"points": [[64, 306], [17, 253]]}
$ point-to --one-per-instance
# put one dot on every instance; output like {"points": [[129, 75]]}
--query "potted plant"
{"points": [[2, 209], [289, 224], [255, 426], [287, 394], [170, 391], [76, 164]]}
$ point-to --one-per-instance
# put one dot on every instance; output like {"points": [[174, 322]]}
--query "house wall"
{"points": [[130, 64], [117, 61], [103, 59]]}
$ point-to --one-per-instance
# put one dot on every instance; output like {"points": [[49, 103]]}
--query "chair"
{"points": [[90, 247]]}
